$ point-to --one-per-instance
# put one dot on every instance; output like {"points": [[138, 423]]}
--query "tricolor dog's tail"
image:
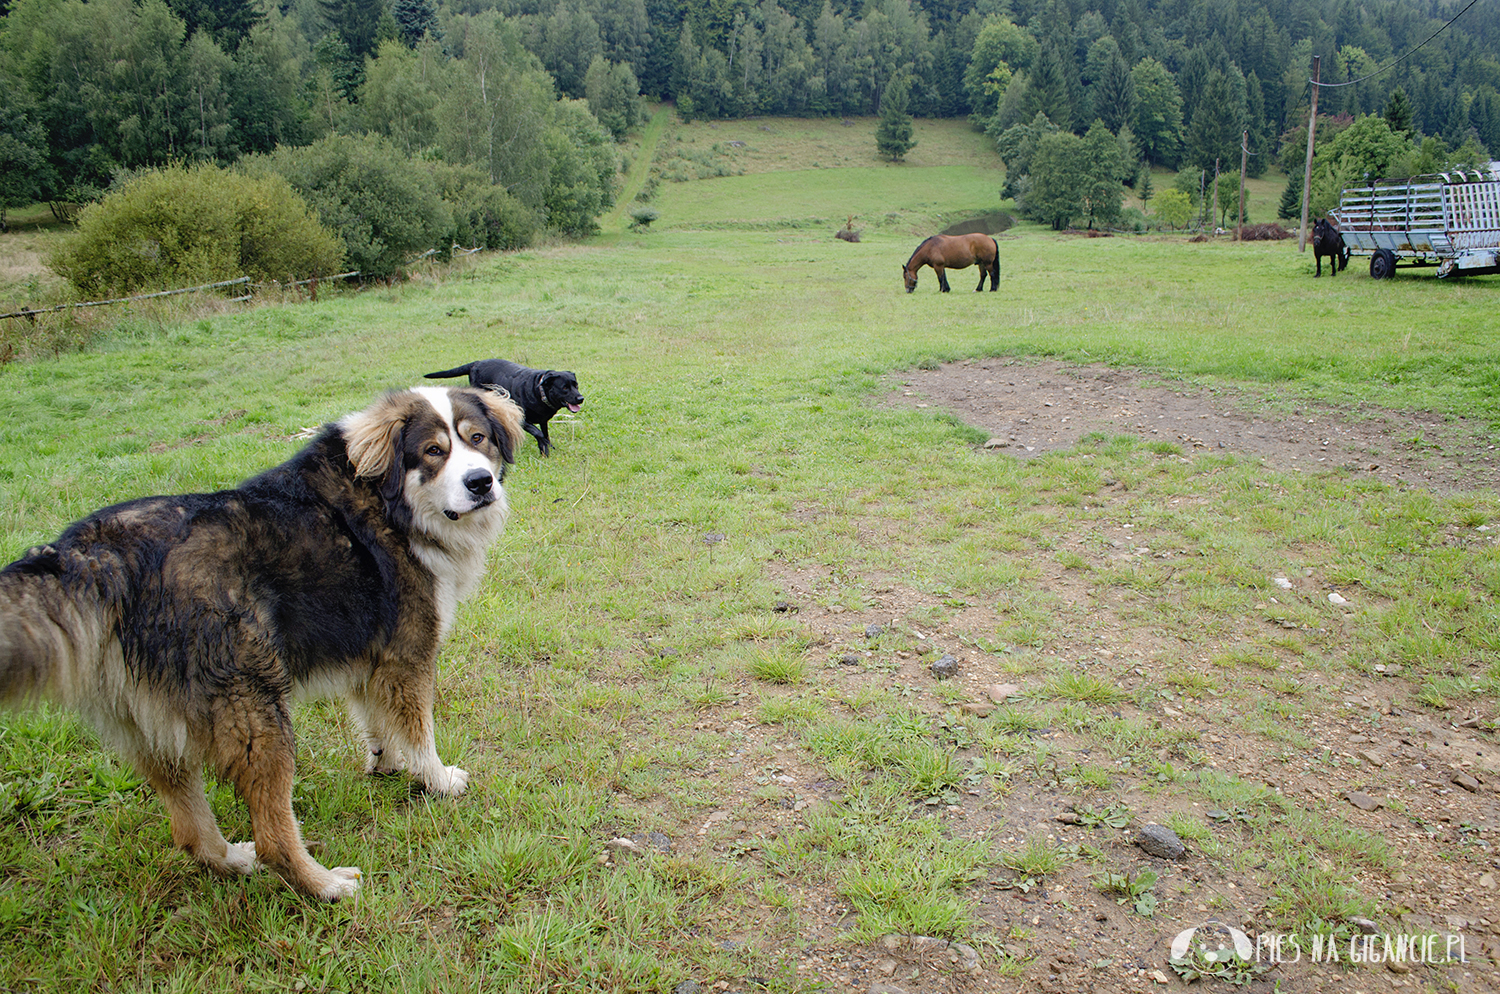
{"points": [[52, 632], [459, 371]]}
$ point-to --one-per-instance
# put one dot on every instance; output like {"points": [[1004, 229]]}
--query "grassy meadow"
{"points": [[622, 670]]}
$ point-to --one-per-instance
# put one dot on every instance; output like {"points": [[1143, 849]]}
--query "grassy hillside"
{"points": [[710, 626]]}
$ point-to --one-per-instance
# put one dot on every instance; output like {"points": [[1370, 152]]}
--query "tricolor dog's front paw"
{"points": [[450, 780], [342, 882]]}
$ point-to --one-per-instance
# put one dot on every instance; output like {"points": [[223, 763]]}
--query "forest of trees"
{"points": [[528, 92]]}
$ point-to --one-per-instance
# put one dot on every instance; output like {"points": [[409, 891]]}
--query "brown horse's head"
{"points": [[909, 274]]}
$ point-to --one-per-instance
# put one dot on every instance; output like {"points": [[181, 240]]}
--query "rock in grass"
{"points": [[945, 667], [1159, 840]]}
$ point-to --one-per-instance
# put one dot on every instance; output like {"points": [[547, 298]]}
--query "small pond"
{"points": [[987, 224]]}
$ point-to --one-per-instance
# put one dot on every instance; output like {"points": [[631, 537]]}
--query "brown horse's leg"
{"points": [[984, 271], [942, 277]]}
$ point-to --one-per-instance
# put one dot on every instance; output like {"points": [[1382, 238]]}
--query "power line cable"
{"points": [[1403, 58]]}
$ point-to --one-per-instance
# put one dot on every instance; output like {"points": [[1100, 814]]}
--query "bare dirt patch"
{"points": [[1356, 754], [1033, 407]]}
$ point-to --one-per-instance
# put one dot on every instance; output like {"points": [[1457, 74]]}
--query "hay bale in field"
{"points": [[1263, 233]]}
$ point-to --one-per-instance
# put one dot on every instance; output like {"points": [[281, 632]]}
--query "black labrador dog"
{"points": [[1327, 240], [540, 393]]}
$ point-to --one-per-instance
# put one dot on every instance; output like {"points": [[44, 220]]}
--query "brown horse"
{"points": [[954, 252]]}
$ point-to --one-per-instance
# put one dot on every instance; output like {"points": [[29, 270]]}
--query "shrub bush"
{"points": [[179, 226], [641, 218], [387, 208], [484, 215]]}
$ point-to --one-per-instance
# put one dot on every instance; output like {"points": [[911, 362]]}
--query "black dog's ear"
{"points": [[560, 377]]}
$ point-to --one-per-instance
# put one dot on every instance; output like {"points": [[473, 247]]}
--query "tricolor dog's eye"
{"points": [[476, 439], [434, 449]]}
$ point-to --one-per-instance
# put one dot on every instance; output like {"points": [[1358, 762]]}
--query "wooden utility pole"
{"points": [[1213, 220], [1239, 230], [1312, 127]]}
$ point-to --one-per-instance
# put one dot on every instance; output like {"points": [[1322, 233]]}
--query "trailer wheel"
{"points": [[1382, 264]]}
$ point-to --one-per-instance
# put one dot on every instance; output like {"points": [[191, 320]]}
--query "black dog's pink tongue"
{"points": [[574, 407]]}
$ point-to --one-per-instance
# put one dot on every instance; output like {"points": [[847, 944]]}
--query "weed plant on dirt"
{"points": [[696, 690]]}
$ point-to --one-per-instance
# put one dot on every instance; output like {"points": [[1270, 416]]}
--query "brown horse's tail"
{"points": [[997, 260]]}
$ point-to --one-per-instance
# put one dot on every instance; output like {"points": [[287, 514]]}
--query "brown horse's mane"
{"points": [[919, 248]]}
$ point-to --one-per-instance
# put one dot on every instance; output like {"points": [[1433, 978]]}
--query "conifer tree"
{"points": [[893, 137], [414, 20], [1291, 198], [1398, 113]]}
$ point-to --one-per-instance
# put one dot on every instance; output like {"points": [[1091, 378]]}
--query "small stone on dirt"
{"points": [[659, 841], [624, 845], [945, 667], [850, 659], [1466, 782], [1159, 840], [964, 958], [1002, 692], [1361, 800], [785, 607], [874, 631]]}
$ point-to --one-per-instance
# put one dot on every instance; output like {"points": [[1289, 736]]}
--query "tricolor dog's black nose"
{"points": [[479, 481]]}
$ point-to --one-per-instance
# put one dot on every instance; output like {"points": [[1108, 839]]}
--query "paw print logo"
{"points": [[1213, 937]]}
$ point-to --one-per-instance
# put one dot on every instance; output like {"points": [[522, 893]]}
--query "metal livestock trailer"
{"points": [[1451, 220]]}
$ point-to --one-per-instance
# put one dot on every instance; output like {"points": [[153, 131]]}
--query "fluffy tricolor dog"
{"points": [[182, 627]]}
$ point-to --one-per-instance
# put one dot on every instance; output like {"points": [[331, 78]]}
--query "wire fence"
{"points": [[31, 313]]}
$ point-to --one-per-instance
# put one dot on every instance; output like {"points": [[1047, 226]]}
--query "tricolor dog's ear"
{"points": [[506, 419], [374, 439]]}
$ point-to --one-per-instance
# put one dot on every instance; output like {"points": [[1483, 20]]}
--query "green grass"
{"points": [[618, 674]]}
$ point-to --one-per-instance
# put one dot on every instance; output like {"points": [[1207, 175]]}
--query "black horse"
{"points": [[1327, 240]]}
